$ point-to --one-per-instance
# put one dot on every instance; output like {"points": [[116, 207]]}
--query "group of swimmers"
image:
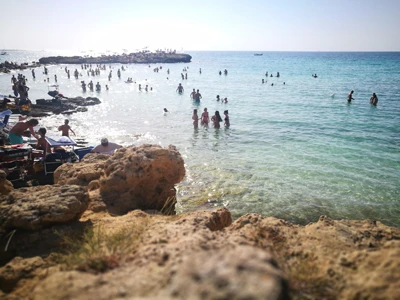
{"points": [[205, 119], [373, 100]]}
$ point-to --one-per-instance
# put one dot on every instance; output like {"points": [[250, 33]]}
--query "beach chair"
{"points": [[53, 160], [6, 114]]}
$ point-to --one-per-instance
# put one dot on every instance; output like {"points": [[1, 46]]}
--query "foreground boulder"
{"points": [[42, 206], [203, 255], [140, 177]]}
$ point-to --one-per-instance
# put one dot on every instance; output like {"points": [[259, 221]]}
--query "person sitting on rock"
{"points": [[105, 147]]}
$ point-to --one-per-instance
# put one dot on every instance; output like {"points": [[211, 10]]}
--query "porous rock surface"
{"points": [[140, 177], [202, 255], [34, 208], [6, 186]]}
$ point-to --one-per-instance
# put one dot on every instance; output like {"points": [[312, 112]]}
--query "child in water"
{"points": [[195, 119], [216, 119], [205, 119]]}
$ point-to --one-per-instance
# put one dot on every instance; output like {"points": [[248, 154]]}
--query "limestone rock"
{"points": [[37, 207], [89, 169], [143, 177], [5, 186], [140, 177], [180, 257]]}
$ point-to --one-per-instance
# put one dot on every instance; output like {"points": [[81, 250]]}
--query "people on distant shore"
{"points": [[195, 119], [16, 133], [226, 119], [105, 147], [205, 118], [350, 96], [65, 129], [374, 99], [180, 89], [216, 119]]}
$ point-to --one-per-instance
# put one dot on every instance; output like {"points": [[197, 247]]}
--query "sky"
{"points": [[237, 25]]}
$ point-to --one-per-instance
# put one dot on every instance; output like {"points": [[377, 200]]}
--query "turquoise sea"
{"points": [[293, 151]]}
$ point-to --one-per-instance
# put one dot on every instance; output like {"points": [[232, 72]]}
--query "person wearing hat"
{"points": [[105, 147]]}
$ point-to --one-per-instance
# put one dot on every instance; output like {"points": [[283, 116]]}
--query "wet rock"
{"points": [[45, 107]]}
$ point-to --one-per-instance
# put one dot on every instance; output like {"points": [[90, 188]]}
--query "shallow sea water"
{"points": [[293, 151]]}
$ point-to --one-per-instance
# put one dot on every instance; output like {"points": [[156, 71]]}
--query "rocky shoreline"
{"points": [[46, 107], [107, 230], [137, 58]]}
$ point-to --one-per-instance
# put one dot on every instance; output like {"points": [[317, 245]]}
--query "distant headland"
{"points": [[143, 57]]}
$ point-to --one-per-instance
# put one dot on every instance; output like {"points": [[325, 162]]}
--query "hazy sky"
{"points": [[255, 25]]}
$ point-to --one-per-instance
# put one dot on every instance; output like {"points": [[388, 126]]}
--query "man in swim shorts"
{"points": [[17, 131]]}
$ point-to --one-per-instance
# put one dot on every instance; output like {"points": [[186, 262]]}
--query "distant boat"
{"points": [[258, 54]]}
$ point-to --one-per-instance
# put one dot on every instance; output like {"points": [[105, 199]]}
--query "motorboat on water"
{"points": [[258, 54]]}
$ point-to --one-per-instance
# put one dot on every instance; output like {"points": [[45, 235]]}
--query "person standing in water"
{"points": [[205, 119], [374, 99], [180, 89], [216, 119], [350, 96], [195, 119], [197, 96], [227, 124], [193, 94], [65, 129]]}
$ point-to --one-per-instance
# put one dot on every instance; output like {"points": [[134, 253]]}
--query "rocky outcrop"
{"points": [[42, 206], [203, 255], [44, 107], [137, 58], [143, 177], [199, 255], [6, 186], [7, 66]]}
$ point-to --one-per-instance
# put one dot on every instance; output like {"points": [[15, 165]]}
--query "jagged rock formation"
{"points": [[143, 177], [137, 58]]}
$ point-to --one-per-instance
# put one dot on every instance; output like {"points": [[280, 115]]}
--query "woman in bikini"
{"points": [[205, 119], [216, 119]]}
